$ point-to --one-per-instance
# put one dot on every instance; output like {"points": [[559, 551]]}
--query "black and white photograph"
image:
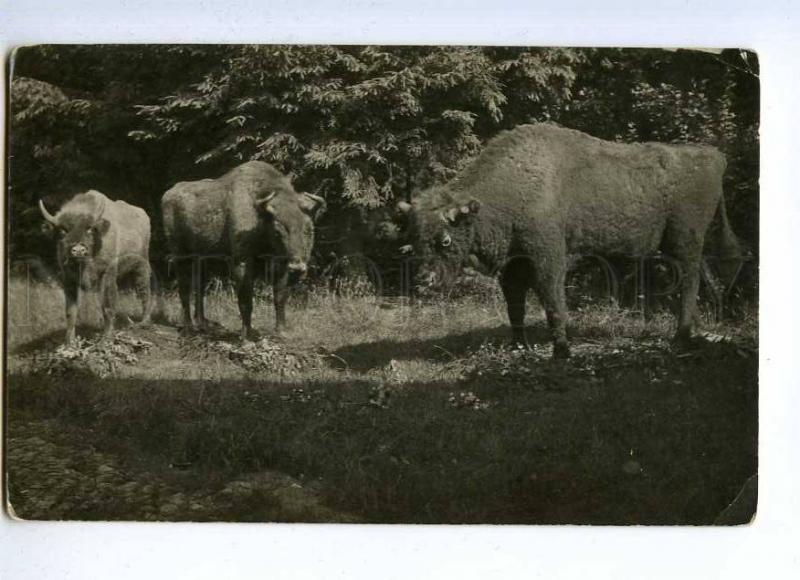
{"points": [[382, 284]]}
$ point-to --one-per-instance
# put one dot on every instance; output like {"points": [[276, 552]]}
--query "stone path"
{"points": [[57, 476]]}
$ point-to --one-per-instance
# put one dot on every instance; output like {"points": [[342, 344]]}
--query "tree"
{"points": [[361, 124]]}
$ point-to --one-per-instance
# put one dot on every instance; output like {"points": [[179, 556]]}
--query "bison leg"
{"points": [[243, 276], [514, 291], [71, 297], [686, 248], [142, 284], [550, 280], [108, 289], [280, 290], [184, 269], [689, 288], [200, 319]]}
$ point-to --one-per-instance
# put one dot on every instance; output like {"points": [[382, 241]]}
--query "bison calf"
{"points": [[100, 241]]}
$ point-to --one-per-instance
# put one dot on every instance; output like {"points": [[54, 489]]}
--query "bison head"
{"points": [[442, 237], [291, 218], [79, 228]]}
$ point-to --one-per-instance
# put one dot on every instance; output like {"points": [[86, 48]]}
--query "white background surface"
{"points": [[769, 548]]}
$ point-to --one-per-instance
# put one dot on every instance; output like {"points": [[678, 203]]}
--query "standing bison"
{"points": [[251, 211], [539, 193], [100, 241]]}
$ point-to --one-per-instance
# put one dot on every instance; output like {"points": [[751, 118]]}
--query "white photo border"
{"points": [[767, 548]]}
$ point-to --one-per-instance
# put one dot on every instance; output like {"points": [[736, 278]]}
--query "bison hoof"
{"points": [[187, 330], [684, 341], [517, 344], [560, 350], [250, 335]]}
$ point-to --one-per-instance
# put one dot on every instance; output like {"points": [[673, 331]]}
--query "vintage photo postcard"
{"points": [[382, 284]]}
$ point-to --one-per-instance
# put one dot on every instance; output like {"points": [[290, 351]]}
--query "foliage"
{"points": [[363, 126]]}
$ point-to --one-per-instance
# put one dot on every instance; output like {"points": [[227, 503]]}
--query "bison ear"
{"points": [[313, 205], [102, 226], [472, 207], [469, 209], [48, 229]]}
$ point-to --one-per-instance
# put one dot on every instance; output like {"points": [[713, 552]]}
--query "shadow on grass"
{"points": [[624, 450], [52, 340], [365, 356]]}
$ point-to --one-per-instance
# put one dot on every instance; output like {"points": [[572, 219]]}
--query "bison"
{"points": [[540, 193], [249, 212], [100, 241]]}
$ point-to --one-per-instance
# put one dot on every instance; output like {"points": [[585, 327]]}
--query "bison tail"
{"points": [[724, 248], [729, 244]]}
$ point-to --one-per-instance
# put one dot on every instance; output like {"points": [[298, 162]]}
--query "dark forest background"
{"points": [[363, 126]]}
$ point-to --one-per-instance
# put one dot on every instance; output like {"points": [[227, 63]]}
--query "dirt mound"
{"points": [[262, 356], [591, 362], [535, 368], [99, 357]]}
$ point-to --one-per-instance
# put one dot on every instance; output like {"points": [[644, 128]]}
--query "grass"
{"points": [[627, 432]]}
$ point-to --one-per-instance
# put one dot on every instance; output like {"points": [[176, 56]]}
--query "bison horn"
{"points": [[313, 204], [264, 203], [47, 215]]}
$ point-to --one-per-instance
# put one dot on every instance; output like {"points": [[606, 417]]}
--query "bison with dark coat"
{"points": [[100, 241], [251, 211], [540, 193]]}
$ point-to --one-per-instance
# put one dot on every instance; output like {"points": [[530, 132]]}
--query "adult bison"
{"points": [[539, 193], [251, 211], [99, 242]]}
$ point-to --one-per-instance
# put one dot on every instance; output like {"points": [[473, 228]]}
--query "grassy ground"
{"points": [[369, 410]]}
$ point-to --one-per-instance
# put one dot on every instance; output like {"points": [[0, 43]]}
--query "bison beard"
{"points": [[540, 193]]}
